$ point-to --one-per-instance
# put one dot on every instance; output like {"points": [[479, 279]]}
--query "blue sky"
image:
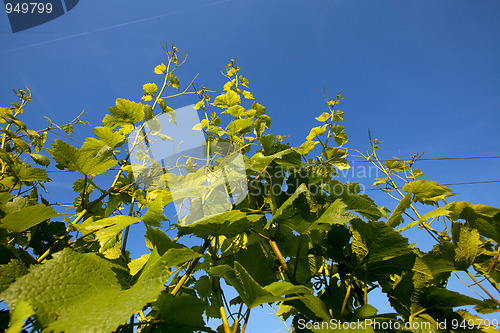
{"points": [[422, 75]]}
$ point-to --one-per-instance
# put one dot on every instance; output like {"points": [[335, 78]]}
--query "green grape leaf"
{"points": [[25, 173], [467, 245], [396, 217], [485, 218], [427, 192], [251, 292], [228, 99], [229, 224], [174, 81], [334, 214], [107, 230], [440, 297], [154, 214], [285, 211], [22, 311], [93, 158], [137, 264], [109, 137], [363, 205], [157, 239], [477, 321], [239, 126], [27, 217], [236, 111], [40, 159], [150, 88], [247, 94], [160, 69], [395, 165], [82, 292], [316, 131], [317, 306], [441, 211], [258, 263], [323, 117], [306, 147], [379, 249], [10, 272], [126, 113], [259, 109], [203, 286], [259, 162], [365, 311], [183, 311]]}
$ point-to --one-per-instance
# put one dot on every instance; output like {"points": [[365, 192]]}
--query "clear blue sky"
{"points": [[422, 75]]}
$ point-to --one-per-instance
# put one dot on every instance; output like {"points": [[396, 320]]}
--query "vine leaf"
{"points": [[181, 312], [467, 242], [110, 138], [438, 212], [306, 147], [316, 131], [364, 312], [229, 224], [154, 215], [228, 99], [250, 291], [107, 230], [40, 159], [125, 114], [27, 217], [286, 209], [396, 217], [82, 292], [427, 192], [93, 158], [485, 218], [25, 173], [21, 312], [157, 239], [379, 249], [333, 215], [10, 272], [359, 203], [259, 162], [364, 205]]}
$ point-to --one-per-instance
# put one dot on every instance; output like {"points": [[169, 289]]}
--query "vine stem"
{"points": [[494, 262], [282, 261], [222, 310], [190, 269], [4, 137], [77, 219], [125, 236], [218, 291], [181, 282], [237, 321], [246, 321], [482, 288], [344, 304]]}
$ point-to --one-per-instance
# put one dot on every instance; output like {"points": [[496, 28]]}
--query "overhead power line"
{"points": [[383, 160], [435, 159], [450, 184]]}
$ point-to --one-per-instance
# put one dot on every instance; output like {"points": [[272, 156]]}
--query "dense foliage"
{"points": [[300, 238]]}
